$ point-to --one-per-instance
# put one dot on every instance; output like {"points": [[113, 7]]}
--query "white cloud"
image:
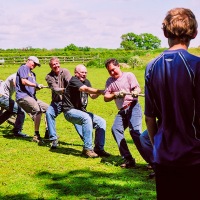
{"points": [[94, 23]]}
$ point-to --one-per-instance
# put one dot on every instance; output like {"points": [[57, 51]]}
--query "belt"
{"points": [[126, 106], [1, 95]]}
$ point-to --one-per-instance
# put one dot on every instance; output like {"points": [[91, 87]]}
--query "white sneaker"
{"points": [[54, 144]]}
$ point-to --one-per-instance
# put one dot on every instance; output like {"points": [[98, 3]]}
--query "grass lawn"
{"points": [[31, 171]]}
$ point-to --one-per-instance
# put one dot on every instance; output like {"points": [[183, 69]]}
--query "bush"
{"points": [[93, 63], [135, 61]]}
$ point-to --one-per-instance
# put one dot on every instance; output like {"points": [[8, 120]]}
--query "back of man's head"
{"points": [[180, 23]]}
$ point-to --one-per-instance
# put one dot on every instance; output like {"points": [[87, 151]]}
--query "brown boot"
{"points": [[89, 153]]}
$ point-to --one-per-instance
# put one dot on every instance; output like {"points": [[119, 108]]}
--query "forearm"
{"points": [[91, 90], [58, 90], [54, 87], [28, 83], [151, 127], [137, 88], [94, 96], [109, 97]]}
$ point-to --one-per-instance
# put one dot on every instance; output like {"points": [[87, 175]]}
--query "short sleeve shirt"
{"points": [[127, 82], [172, 95], [73, 98], [22, 90]]}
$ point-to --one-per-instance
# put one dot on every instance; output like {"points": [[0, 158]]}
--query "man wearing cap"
{"points": [[26, 86]]}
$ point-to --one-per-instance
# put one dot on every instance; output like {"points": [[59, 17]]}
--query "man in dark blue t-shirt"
{"points": [[75, 100], [172, 110], [26, 87]]}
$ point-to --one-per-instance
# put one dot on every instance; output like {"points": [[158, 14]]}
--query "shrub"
{"points": [[135, 61], [94, 63]]}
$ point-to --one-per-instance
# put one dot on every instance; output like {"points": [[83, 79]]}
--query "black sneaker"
{"points": [[102, 153], [129, 163], [20, 134], [152, 175]]}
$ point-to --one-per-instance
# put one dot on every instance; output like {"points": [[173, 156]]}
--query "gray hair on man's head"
{"points": [[52, 59]]}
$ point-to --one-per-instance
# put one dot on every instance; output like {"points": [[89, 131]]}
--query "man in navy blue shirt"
{"points": [[26, 86], [172, 110]]}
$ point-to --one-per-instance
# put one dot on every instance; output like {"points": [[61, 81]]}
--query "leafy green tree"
{"points": [[144, 41], [71, 47], [129, 41], [84, 48], [149, 41]]}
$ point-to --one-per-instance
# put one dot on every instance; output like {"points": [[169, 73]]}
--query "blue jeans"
{"points": [[84, 123], [130, 117], [147, 147], [52, 112], [11, 108]]}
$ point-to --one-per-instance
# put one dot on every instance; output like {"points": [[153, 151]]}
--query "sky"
{"points": [[93, 23]]}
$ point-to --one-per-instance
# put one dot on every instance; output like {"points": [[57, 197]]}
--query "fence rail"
{"points": [[45, 59]]}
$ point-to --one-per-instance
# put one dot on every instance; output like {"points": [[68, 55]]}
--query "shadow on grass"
{"points": [[7, 132], [89, 184], [71, 144], [126, 184], [66, 151], [18, 197]]}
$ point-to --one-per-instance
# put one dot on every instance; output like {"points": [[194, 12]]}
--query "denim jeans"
{"points": [[52, 112], [147, 147], [11, 108], [84, 123], [132, 118]]}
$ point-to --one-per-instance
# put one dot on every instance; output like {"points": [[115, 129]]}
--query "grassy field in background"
{"points": [[31, 171]]}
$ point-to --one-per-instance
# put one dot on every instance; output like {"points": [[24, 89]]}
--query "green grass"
{"points": [[32, 171]]}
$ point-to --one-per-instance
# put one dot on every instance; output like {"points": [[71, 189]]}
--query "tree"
{"points": [[145, 41], [71, 47], [149, 41]]}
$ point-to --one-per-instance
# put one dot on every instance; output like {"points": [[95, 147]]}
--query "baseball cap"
{"points": [[35, 60]]}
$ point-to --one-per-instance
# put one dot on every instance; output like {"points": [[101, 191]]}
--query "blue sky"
{"points": [[94, 23]]}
